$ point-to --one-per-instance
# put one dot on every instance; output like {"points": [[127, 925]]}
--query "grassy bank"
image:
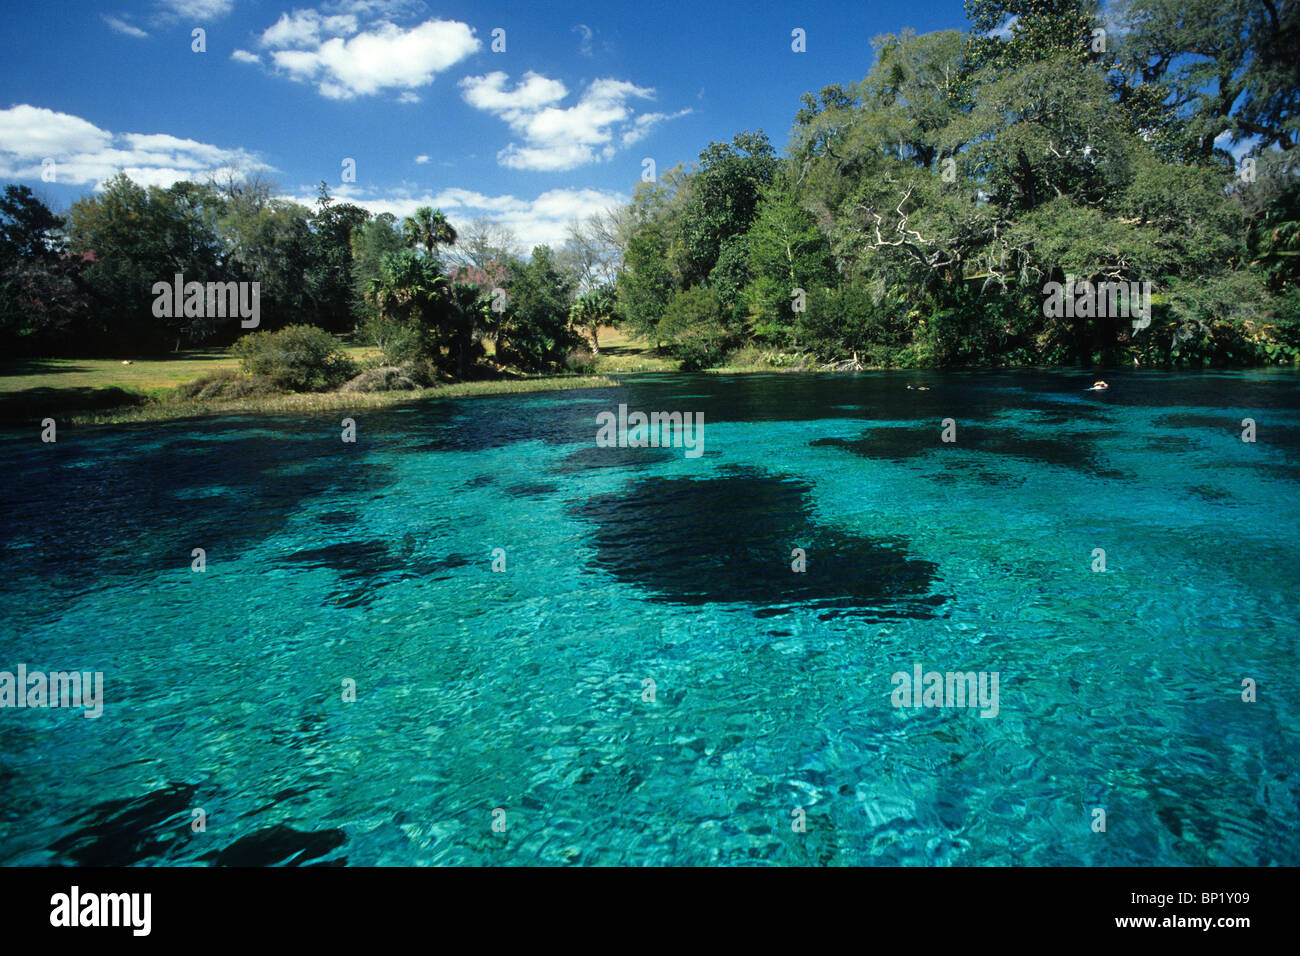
{"points": [[109, 391], [294, 403], [103, 391], [619, 352]]}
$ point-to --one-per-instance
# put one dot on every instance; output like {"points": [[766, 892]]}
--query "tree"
{"points": [[1224, 68], [788, 257], [28, 229], [270, 241], [591, 309], [136, 237], [646, 232], [1272, 207], [536, 332], [371, 241], [44, 307], [428, 228], [1008, 34], [648, 282], [723, 200], [591, 254], [43, 297], [695, 325], [409, 296], [470, 318], [329, 278], [482, 245]]}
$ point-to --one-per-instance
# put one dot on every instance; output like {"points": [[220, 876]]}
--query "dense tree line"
{"points": [[84, 283], [919, 216]]}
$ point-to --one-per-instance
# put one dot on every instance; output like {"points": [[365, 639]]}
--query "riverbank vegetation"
{"points": [[195, 384], [921, 216]]}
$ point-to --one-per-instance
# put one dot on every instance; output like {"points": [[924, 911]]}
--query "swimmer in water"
{"points": [[918, 388], [1098, 386]]}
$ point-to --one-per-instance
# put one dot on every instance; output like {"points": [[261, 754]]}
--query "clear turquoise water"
{"points": [[523, 690]]}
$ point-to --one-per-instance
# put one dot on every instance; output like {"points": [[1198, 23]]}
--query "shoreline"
{"points": [[296, 402], [154, 405]]}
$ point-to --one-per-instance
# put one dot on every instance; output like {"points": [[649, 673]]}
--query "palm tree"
{"points": [[429, 228], [592, 308], [407, 287]]}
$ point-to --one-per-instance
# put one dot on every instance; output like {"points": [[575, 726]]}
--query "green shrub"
{"points": [[753, 356], [423, 372], [398, 340], [1282, 334], [580, 360], [300, 358], [695, 326], [383, 379]]}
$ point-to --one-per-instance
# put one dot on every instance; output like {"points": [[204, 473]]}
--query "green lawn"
{"points": [[622, 353], [106, 390], [153, 377], [95, 391], [147, 376], [143, 375]]}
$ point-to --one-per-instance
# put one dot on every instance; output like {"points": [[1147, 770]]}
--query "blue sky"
{"points": [[554, 127]]}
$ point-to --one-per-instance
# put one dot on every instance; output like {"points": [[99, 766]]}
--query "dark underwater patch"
{"points": [[128, 831], [593, 456], [155, 828], [729, 540], [489, 422], [366, 566], [1209, 493], [535, 489], [1062, 413], [981, 475], [338, 519], [351, 559], [1199, 420], [1274, 433], [280, 845], [904, 442], [1168, 443], [98, 509]]}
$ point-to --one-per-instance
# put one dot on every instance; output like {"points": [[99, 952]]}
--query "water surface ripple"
{"points": [[526, 689]]}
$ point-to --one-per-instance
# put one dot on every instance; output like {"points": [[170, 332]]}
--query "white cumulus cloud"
{"points": [[84, 153], [558, 138], [346, 54]]}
